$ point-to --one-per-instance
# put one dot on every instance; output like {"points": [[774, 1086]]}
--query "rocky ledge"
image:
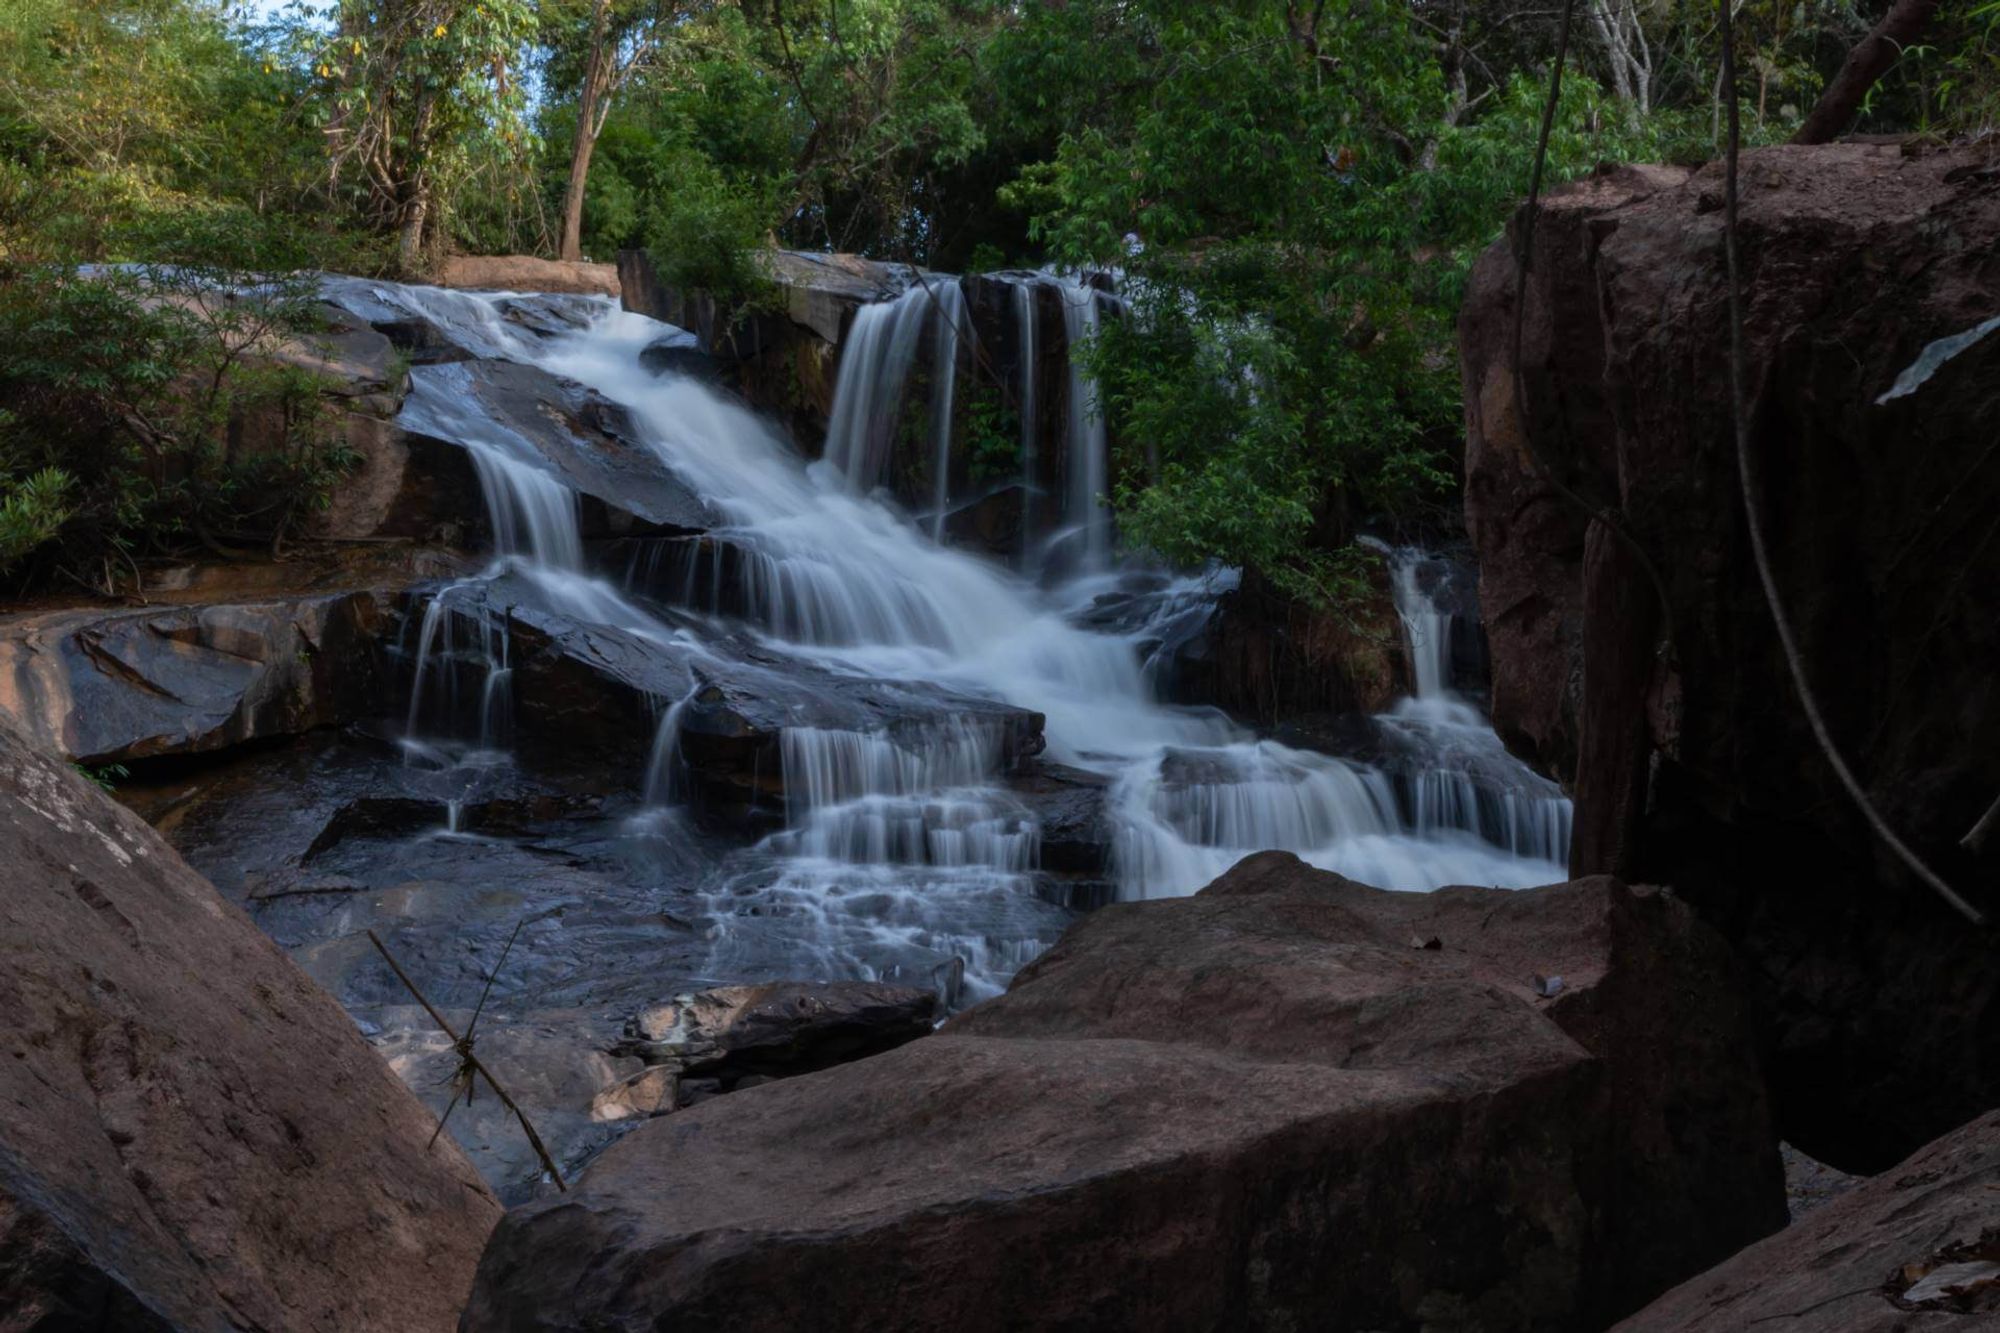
{"points": [[1288, 1096]]}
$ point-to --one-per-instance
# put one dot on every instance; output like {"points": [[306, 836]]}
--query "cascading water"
{"points": [[904, 852], [1088, 452], [1025, 377], [1462, 777]]}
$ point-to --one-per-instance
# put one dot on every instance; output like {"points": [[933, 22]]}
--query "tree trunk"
{"points": [[589, 122], [1868, 61]]}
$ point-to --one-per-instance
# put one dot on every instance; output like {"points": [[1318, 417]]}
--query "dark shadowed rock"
{"points": [[1069, 805], [678, 355], [1917, 1247], [196, 1138], [1256, 1108], [1698, 768], [781, 360], [1260, 656], [111, 687], [577, 434], [778, 1029]]}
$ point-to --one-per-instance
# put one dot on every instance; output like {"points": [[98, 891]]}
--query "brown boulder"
{"points": [[527, 273], [1917, 1247], [1696, 767], [1261, 1107], [196, 1137], [112, 687]]}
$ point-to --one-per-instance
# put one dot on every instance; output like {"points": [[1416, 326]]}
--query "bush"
{"points": [[131, 396]]}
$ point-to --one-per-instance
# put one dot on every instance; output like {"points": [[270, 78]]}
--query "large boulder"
{"points": [[196, 1137], [1289, 1102], [1917, 1247], [1678, 726], [112, 687]]}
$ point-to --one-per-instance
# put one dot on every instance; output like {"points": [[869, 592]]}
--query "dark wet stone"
{"points": [[587, 440]]}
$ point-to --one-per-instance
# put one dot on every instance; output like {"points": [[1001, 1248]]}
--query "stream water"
{"points": [[911, 857]]}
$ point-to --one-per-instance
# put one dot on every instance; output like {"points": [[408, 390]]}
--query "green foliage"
{"points": [[145, 413], [33, 509], [705, 231], [106, 776], [990, 425]]}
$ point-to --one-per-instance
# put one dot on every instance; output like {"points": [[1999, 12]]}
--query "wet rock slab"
{"points": [[579, 435], [605, 689], [329, 839], [1917, 1247], [195, 1136], [1257, 1108], [118, 686]]}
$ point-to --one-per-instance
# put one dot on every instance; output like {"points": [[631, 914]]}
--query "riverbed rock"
{"points": [[781, 360], [1696, 766], [116, 686], [1255, 1108], [577, 434], [196, 1137], [1917, 1247], [777, 1029]]}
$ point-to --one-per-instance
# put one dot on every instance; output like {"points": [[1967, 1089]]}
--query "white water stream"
{"points": [[907, 857]]}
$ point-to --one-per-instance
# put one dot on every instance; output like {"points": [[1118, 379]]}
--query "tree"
{"points": [[620, 42], [1865, 65], [414, 92]]}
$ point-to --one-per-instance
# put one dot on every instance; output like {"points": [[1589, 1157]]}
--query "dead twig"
{"points": [[469, 1063]]}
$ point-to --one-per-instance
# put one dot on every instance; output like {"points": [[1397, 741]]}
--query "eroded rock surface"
{"points": [[1254, 1108], [1917, 1247], [196, 1138], [1695, 766]]}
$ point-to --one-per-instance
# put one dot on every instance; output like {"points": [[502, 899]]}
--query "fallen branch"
{"points": [[1975, 840], [468, 1061], [1870, 59]]}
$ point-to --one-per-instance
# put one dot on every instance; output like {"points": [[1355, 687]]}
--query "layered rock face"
{"points": [[196, 1137], [1677, 726], [1918, 1247], [117, 687], [1289, 1102]]}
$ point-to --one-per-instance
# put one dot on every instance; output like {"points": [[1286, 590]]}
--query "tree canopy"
{"points": [[1291, 189]]}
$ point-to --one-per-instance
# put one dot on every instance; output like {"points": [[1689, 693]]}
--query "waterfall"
{"points": [[876, 358], [1087, 451], [904, 852], [1462, 779], [1025, 317], [949, 318], [1426, 629]]}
